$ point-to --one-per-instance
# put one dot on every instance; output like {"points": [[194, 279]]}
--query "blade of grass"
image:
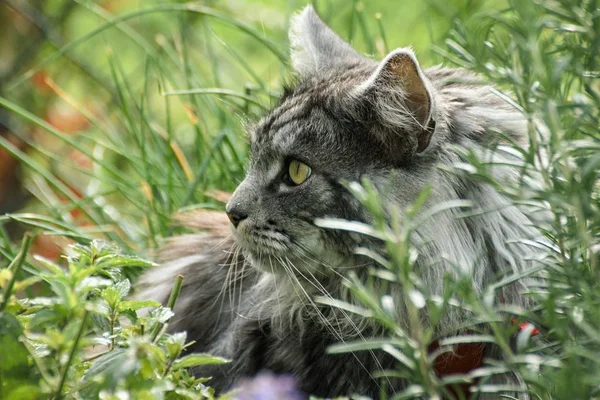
{"points": [[215, 91]]}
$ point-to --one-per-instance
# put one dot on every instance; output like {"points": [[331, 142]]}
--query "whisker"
{"points": [[355, 329], [332, 329]]}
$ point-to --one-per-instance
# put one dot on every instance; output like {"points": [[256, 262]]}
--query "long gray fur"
{"points": [[249, 296]]}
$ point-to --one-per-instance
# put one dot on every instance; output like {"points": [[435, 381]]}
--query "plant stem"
{"points": [[15, 266], [63, 377], [175, 292], [170, 303]]}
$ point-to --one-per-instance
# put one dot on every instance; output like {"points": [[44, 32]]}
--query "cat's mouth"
{"points": [[263, 241], [271, 249], [268, 242]]}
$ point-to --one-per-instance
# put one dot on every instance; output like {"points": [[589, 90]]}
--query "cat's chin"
{"points": [[275, 253], [286, 263], [279, 263]]}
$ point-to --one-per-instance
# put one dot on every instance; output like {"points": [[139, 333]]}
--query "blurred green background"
{"points": [[117, 114]]}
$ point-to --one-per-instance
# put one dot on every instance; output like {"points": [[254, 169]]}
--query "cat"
{"points": [[250, 277]]}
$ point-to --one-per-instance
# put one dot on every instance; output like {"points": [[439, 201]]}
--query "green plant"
{"points": [[84, 339]]}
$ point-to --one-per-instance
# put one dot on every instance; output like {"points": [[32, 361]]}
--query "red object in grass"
{"points": [[49, 247], [465, 358], [66, 119], [525, 325], [39, 81]]}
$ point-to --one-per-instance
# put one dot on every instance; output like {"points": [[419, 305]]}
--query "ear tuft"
{"points": [[402, 71], [315, 47], [403, 96]]}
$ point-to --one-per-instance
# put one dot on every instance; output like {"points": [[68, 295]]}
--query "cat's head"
{"points": [[348, 117]]}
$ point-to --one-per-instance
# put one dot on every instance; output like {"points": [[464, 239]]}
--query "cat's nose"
{"points": [[236, 216]]}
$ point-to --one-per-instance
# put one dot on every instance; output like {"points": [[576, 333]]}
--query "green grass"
{"points": [[162, 92]]}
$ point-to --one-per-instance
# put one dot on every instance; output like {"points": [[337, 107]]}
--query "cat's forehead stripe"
{"points": [[289, 113], [312, 92], [297, 111], [317, 120]]}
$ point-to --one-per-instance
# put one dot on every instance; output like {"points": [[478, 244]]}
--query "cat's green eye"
{"points": [[298, 172]]}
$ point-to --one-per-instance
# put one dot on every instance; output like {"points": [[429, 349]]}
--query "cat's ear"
{"points": [[315, 47], [403, 96]]}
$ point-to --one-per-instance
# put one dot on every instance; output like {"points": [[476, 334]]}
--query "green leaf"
{"points": [[161, 315], [24, 391], [174, 344], [15, 370], [195, 360], [138, 304], [64, 292], [123, 288], [125, 261], [111, 296], [130, 315], [110, 368], [93, 282], [47, 317], [101, 322], [55, 269]]}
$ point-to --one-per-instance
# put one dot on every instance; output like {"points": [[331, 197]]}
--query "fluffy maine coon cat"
{"points": [[251, 275]]}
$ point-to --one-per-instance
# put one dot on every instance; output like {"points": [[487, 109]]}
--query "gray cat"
{"points": [[250, 280]]}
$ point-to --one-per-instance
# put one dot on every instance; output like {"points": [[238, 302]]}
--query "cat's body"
{"points": [[250, 298]]}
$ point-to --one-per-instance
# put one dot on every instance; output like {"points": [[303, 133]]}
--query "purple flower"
{"points": [[267, 386]]}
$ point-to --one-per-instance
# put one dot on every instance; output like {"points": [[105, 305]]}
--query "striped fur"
{"points": [[249, 295]]}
